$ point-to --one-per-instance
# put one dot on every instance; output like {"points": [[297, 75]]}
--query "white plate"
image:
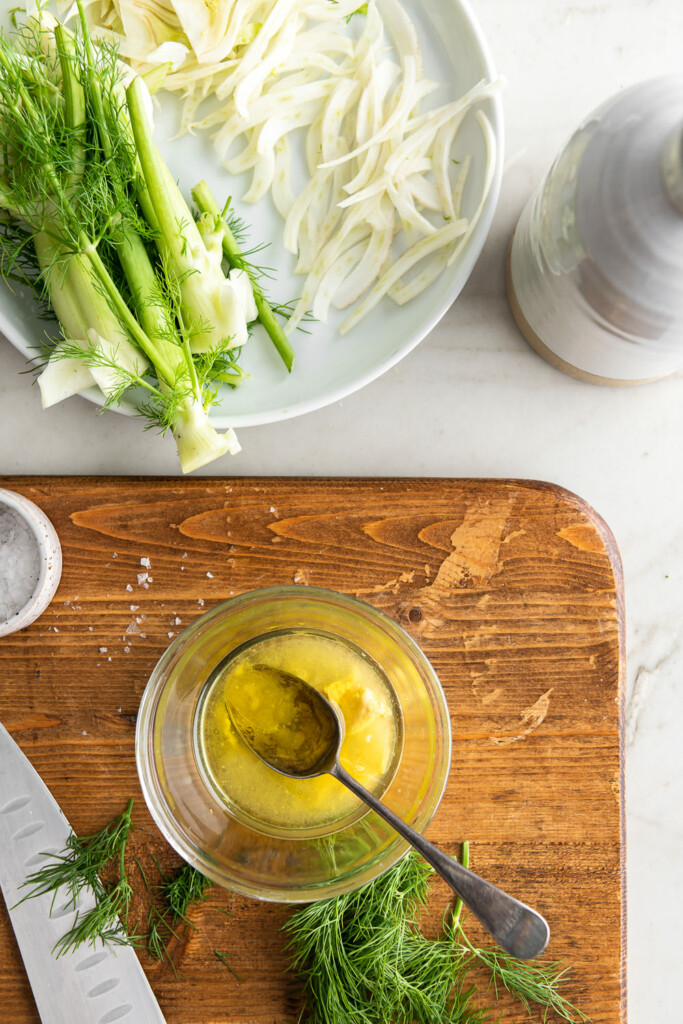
{"points": [[328, 366]]}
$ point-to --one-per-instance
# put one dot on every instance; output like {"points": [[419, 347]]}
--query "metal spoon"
{"points": [[517, 928]]}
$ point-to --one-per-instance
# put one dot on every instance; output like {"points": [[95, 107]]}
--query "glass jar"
{"points": [[299, 865]]}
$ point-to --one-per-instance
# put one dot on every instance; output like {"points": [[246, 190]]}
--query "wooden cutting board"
{"points": [[514, 591]]}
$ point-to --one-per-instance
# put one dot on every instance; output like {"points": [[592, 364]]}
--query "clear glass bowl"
{"points": [[302, 865]]}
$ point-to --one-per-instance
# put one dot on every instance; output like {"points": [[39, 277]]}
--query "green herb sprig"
{"points": [[168, 912], [80, 866], [363, 960], [226, 963]]}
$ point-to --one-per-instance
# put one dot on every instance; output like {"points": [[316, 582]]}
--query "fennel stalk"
{"points": [[141, 298]]}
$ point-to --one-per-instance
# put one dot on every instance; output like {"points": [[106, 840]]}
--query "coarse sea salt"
{"points": [[19, 563]]}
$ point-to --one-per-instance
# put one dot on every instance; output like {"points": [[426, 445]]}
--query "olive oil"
{"points": [[344, 674]]}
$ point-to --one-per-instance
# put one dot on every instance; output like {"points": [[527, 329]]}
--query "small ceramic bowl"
{"points": [[50, 557], [306, 864]]}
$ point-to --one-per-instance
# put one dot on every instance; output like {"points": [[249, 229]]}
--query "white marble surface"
{"points": [[474, 400]]}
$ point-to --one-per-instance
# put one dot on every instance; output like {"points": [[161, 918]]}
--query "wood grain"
{"points": [[512, 588]]}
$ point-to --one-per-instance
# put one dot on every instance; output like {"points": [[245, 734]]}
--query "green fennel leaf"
{"points": [[226, 963], [363, 960], [80, 866], [168, 914]]}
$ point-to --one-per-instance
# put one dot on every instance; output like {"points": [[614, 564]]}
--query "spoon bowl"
{"points": [[307, 714], [306, 742]]}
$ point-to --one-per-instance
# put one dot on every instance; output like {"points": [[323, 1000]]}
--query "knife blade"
{"points": [[93, 985]]}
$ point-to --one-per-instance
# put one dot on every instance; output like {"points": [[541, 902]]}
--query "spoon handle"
{"points": [[517, 928]]}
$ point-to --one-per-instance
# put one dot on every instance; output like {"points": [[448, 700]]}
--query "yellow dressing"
{"points": [[344, 676]]}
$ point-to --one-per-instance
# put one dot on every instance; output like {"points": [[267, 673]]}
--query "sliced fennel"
{"points": [[356, 88]]}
